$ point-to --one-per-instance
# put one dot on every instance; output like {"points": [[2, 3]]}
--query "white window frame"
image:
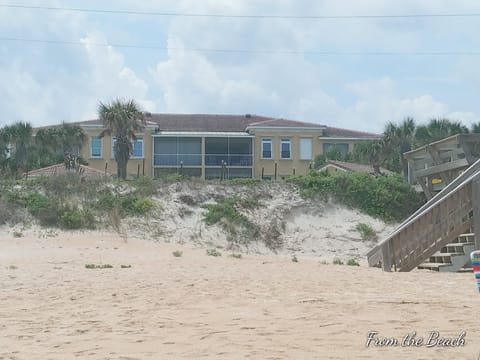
{"points": [[303, 155], [289, 142], [267, 141], [140, 138], [91, 148]]}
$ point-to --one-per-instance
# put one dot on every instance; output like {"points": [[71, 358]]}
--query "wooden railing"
{"points": [[444, 217]]}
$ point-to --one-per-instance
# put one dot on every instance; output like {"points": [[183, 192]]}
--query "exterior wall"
{"points": [[107, 156], [285, 167]]}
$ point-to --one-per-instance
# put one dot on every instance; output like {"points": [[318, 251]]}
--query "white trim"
{"points": [[347, 138], [266, 140], [285, 128], [142, 138], [201, 134], [289, 142]]}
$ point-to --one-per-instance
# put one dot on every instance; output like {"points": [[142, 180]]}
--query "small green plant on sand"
{"points": [[177, 253], [125, 266], [213, 252], [353, 262], [366, 231], [337, 261], [17, 234], [236, 256], [98, 266], [294, 258]]}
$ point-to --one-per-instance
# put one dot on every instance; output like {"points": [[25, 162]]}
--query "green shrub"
{"points": [[337, 261], [125, 266], [236, 256], [213, 252], [390, 198], [243, 181], [95, 266], [72, 218], [177, 253], [352, 262], [366, 231], [136, 205]]}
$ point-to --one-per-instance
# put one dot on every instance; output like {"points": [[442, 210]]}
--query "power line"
{"points": [[248, 16], [250, 51]]}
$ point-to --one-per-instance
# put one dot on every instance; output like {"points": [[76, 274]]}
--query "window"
{"points": [[285, 149], [341, 148], [266, 148], [96, 145], [137, 148], [305, 149]]}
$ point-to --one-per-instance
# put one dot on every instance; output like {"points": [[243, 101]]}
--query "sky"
{"points": [[331, 70]]}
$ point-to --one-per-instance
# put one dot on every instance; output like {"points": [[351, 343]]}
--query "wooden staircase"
{"points": [[452, 257], [429, 235]]}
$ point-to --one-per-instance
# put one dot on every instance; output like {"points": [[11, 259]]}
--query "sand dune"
{"points": [[198, 306]]}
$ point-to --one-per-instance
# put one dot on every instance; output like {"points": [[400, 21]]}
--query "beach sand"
{"points": [[197, 306]]}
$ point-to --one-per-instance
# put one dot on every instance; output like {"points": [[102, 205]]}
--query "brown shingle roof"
{"points": [[286, 123], [338, 132], [355, 167], [60, 169], [233, 123], [205, 122]]}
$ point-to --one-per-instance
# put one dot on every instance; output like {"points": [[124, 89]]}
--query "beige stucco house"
{"points": [[201, 145]]}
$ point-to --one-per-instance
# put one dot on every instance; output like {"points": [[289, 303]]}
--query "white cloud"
{"points": [[49, 83]]}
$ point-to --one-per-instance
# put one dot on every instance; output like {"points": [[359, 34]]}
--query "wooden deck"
{"points": [[435, 165], [451, 212]]}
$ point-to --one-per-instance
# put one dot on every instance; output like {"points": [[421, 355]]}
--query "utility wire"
{"points": [[297, 17], [250, 51]]}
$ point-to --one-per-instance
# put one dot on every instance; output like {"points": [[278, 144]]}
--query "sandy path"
{"points": [[196, 306]]}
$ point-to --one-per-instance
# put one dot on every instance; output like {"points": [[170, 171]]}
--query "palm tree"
{"points": [[19, 135], [121, 120], [438, 129], [400, 139], [72, 138], [374, 152], [475, 129]]}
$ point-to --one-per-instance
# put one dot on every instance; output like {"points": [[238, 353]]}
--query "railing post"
{"points": [[476, 211]]}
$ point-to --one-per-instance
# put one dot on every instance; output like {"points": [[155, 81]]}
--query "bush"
{"points": [[337, 261], [177, 253], [243, 181], [95, 266], [213, 252], [390, 198], [136, 205], [353, 262], [366, 231], [74, 218]]}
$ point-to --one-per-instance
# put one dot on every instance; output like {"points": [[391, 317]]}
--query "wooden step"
{"points": [[468, 238], [431, 266], [445, 258], [454, 248]]}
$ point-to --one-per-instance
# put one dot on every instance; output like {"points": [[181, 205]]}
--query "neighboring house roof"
{"points": [[60, 169], [355, 167], [334, 132]]}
